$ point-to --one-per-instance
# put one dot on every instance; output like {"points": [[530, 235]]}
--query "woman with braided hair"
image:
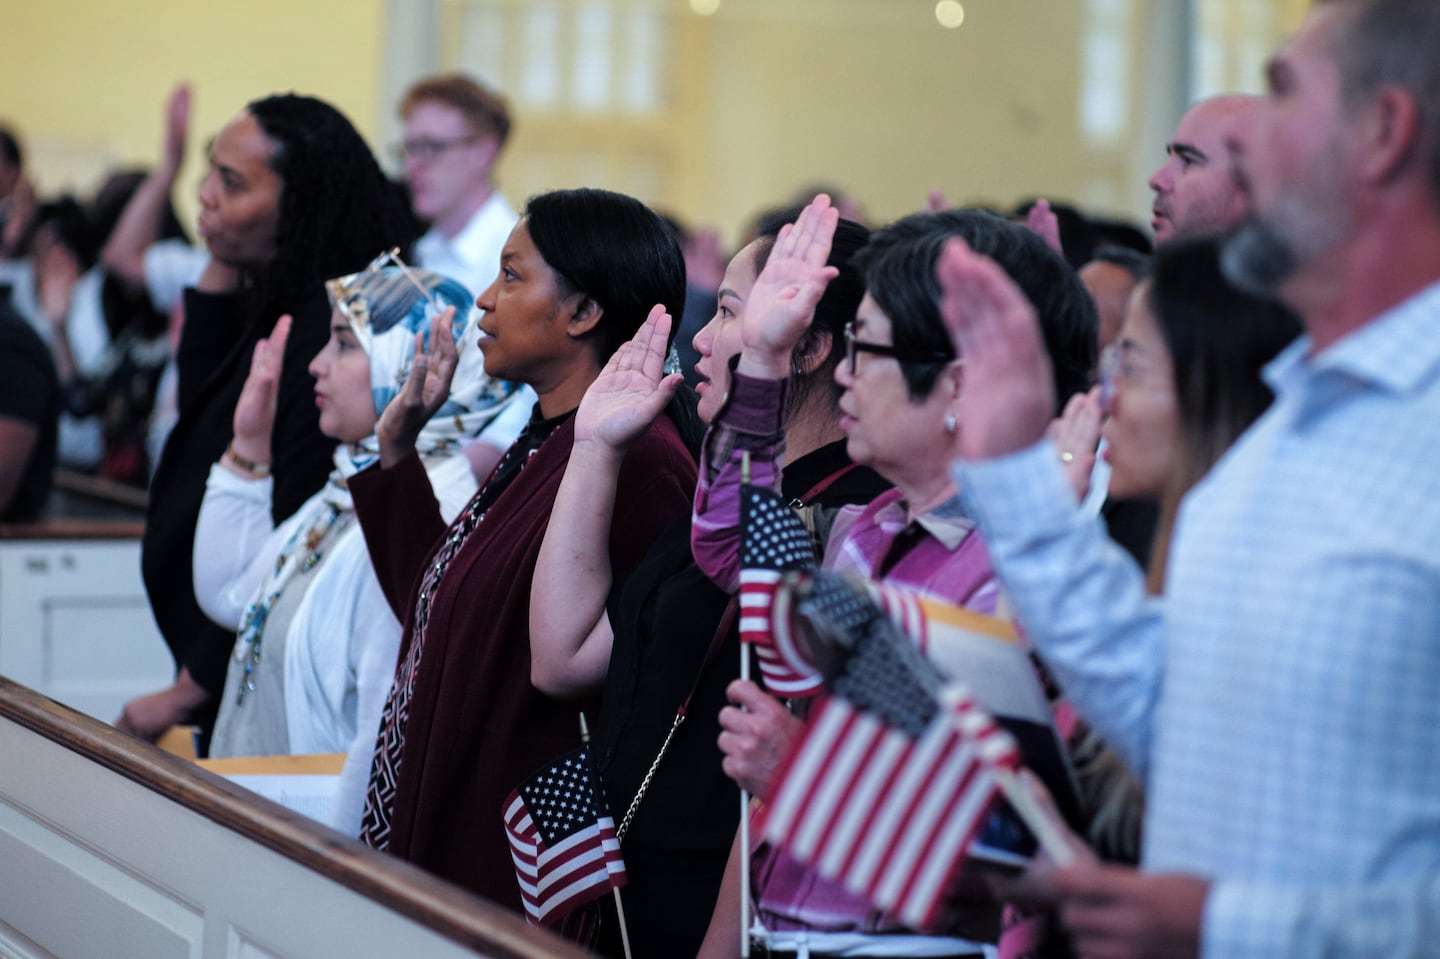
{"points": [[293, 197]]}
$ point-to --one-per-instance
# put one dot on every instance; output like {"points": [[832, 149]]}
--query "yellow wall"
{"points": [[84, 81], [890, 106], [765, 97]]}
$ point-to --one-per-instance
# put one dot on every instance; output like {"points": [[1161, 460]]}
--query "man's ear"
{"points": [[1391, 134], [488, 148], [585, 317]]}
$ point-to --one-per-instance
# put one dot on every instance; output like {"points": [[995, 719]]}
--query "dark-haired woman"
{"points": [[463, 726], [900, 381], [293, 196], [660, 637]]}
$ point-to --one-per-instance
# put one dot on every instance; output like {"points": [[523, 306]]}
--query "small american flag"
{"points": [[772, 542], [562, 839], [896, 772]]}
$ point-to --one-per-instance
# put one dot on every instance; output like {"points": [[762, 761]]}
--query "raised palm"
{"points": [[255, 410], [782, 302], [631, 390], [423, 392]]}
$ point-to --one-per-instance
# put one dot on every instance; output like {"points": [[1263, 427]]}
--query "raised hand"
{"points": [[177, 127], [631, 390], [782, 302], [255, 410], [422, 394], [1008, 392], [1075, 433], [1042, 221]]}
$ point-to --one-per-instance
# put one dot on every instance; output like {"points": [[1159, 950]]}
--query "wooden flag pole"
{"points": [[619, 907], [1039, 821], [744, 793]]}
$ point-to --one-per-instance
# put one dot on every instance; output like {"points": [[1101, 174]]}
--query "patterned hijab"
{"points": [[386, 306]]}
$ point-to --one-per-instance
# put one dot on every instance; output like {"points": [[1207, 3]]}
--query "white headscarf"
{"points": [[386, 306]]}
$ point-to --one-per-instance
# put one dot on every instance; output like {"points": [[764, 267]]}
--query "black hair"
{"points": [[10, 150], [614, 250], [1219, 338], [1132, 261], [337, 209], [618, 252], [1392, 43], [125, 306], [899, 267], [835, 310], [65, 221]]}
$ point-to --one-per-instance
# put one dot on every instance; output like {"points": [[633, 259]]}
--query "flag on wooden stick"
{"points": [[897, 771], [773, 541]]}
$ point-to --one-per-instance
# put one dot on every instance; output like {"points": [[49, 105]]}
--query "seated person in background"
{"points": [[317, 642], [29, 410], [901, 377], [462, 725]]}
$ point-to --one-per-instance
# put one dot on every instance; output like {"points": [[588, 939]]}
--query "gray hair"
{"points": [[1392, 43]]}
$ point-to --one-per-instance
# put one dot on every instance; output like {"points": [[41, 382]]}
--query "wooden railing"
{"points": [[79, 799]]}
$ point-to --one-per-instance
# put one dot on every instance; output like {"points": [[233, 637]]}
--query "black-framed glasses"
{"points": [[853, 347], [426, 149]]}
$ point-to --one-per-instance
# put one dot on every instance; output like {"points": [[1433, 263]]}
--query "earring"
{"points": [[950, 425]]}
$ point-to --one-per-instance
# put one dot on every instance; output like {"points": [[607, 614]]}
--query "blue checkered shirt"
{"points": [[1282, 704]]}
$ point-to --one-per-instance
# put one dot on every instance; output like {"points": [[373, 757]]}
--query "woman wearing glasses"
{"points": [[317, 641], [900, 379], [660, 637], [292, 197], [1182, 381]]}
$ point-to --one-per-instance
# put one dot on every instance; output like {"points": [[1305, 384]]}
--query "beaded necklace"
{"points": [[300, 555]]}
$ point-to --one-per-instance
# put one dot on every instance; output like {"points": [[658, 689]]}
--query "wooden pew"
{"points": [[110, 847], [75, 623]]}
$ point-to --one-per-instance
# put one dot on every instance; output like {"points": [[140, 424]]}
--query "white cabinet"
{"points": [[75, 624]]}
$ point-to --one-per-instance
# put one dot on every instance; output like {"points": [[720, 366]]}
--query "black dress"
{"points": [[665, 614], [29, 393]]}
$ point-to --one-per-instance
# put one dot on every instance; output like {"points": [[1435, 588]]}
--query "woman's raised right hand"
{"points": [[423, 392], [255, 410], [782, 302], [631, 390]]}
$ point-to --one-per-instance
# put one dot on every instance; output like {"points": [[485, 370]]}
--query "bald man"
{"points": [[1194, 191]]}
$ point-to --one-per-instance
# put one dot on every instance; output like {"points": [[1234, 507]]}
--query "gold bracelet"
{"points": [[258, 470]]}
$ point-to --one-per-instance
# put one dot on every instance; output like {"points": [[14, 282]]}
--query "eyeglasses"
{"points": [[425, 150], [854, 347], [1118, 369], [356, 308], [1109, 372]]}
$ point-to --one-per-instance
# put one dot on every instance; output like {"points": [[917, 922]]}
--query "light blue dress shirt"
{"points": [[1282, 705]]}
